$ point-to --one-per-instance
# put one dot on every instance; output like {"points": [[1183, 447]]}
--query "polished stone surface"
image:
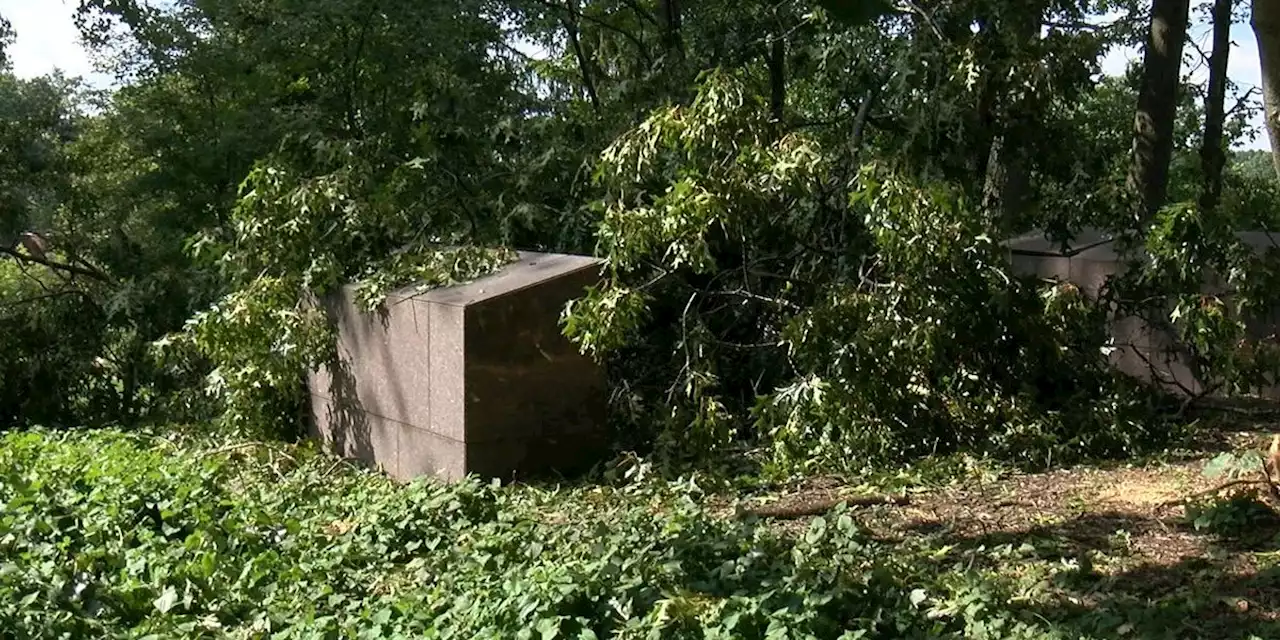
{"points": [[476, 378]]}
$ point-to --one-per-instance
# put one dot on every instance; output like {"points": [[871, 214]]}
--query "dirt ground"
{"points": [[1126, 525]]}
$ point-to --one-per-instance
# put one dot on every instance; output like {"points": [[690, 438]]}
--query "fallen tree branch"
{"points": [[820, 506], [352, 462], [1252, 412], [1206, 492], [1271, 461], [248, 445]]}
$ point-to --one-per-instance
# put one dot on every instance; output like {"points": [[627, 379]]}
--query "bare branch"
{"points": [[1242, 101], [911, 7], [644, 50], [44, 296], [584, 60], [57, 266]]}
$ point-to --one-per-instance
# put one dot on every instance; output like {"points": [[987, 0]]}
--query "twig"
{"points": [[1242, 101], [44, 296], [229, 449], [1198, 494], [911, 7], [248, 445], [337, 463], [57, 266], [821, 506], [271, 462], [1251, 412], [1266, 469], [755, 296], [1166, 377], [640, 45]]}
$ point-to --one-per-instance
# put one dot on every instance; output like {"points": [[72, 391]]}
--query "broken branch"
{"points": [[57, 266]]}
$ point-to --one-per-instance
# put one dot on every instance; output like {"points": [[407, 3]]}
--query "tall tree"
{"points": [[1008, 169], [1212, 152], [1266, 28], [6, 39], [1157, 105]]}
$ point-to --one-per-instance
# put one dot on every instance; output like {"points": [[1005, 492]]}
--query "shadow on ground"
{"points": [[1180, 584]]}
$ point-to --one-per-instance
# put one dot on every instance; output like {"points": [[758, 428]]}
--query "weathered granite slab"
{"points": [[1140, 349], [476, 378]]}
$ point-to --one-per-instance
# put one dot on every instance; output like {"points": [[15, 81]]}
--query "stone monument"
{"points": [[469, 379], [1139, 348]]}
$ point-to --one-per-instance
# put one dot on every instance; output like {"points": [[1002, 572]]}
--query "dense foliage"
{"points": [[114, 534], [801, 205], [150, 540], [859, 345]]}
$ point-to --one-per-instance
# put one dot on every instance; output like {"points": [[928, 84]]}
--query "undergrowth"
{"points": [[114, 534]]}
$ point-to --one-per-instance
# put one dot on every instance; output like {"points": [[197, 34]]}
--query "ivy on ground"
{"points": [[114, 534]]}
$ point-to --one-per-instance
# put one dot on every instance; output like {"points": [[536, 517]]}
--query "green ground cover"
{"points": [[112, 534]]}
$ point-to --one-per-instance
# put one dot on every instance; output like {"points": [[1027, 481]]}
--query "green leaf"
{"points": [[166, 600], [1219, 465], [917, 596], [855, 13], [549, 628]]}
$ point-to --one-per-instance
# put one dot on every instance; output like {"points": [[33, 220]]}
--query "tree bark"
{"points": [[1212, 155], [1007, 170], [1008, 181], [1266, 28], [672, 38], [584, 61], [860, 126], [777, 79], [988, 94], [1157, 106]]}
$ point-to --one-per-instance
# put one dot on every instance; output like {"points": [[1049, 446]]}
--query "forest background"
{"points": [[802, 207]]}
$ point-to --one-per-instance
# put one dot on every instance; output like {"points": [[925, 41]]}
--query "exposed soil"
{"points": [[1126, 524]]}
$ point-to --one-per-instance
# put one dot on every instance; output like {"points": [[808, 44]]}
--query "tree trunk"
{"points": [[860, 126], [584, 61], [1007, 171], [1157, 106], [988, 94], [1212, 155], [1008, 181], [672, 38], [1266, 28], [777, 79]]}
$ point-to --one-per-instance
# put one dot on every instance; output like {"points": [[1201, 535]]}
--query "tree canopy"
{"points": [[801, 204]]}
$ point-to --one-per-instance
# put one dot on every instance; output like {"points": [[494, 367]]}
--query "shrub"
{"points": [[52, 343], [747, 300], [108, 534]]}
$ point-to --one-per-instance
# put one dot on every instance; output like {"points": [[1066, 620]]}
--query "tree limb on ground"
{"points": [[249, 445], [1270, 469], [784, 510], [1211, 491]]}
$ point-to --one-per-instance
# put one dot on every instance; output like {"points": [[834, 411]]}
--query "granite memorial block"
{"points": [[469, 379], [1140, 348]]}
